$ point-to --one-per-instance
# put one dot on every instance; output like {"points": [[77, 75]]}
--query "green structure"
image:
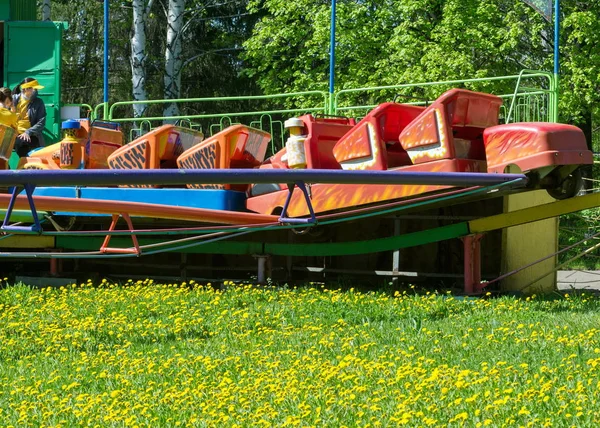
{"points": [[32, 48]]}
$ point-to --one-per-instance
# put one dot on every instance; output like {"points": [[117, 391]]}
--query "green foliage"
{"points": [[578, 227], [580, 86], [387, 43], [82, 50]]}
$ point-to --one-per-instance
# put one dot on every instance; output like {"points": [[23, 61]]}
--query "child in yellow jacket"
{"points": [[7, 116], [9, 119]]}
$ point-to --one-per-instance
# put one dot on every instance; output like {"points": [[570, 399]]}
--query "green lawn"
{"points": [[144, 354]]}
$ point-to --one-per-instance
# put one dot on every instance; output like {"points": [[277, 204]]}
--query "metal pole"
{"points": [[332, 58], [556, 55], [106, 19], [243, 176], [556, 37]]}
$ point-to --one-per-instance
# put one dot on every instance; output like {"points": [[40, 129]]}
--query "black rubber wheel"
{"points": [[570, 186]]}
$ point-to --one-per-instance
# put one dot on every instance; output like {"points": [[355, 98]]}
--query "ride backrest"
{"points": [[237, 146], [104, 139], [452, 127], [158, 148], [322, 134], [373, 144], [8, 136]]}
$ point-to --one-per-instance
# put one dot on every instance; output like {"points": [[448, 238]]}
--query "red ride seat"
{"points": [[452, 128], [373, 144]]}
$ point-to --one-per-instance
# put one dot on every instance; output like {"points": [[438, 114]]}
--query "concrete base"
{"points": [[580, 280], [525, 244]]}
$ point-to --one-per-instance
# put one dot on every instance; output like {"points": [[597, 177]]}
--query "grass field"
{"points": [[143, 354]]}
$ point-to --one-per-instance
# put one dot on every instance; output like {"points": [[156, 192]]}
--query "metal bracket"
{"points": [[284, 215], [136, 247], [36, 226]]}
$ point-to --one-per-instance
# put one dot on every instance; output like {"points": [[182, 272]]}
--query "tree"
{"points": [[385, 42], [580, 65], [173, 56], [141, 11]]}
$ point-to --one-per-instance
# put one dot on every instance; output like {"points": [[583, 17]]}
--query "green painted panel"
{"points": [[324, 249], [4, 10], [33, 49], [23, 10]]}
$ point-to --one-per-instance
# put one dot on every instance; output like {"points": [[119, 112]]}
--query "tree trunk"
{"points": [[46, 10], [138, 55], [173, 60]]}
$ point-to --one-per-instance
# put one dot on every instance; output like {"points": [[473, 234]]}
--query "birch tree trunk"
{"points": [[141, 11], [173, 60], [46, 10]]}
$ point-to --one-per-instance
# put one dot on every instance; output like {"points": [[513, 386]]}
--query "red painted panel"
{"points": [[366, 146], [356, 145], [524, 145], [329, 197]]}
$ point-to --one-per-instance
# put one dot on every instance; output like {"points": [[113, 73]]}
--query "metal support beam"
{"points": [[36, 227], [396, 253], [136, 247], [243, 176], [106, 52], [264, 270], [54, 270], [184, 267], [312, 220], [539, 212], [472, 264]]}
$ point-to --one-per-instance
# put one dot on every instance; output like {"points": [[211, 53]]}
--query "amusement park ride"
{"points": [[331, 170], [414, 187]]}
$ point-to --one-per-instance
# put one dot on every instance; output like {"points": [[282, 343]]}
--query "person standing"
{"points": [[31, 116]]}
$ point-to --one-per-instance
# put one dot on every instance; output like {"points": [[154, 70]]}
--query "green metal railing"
{"points": [[196, 115], [524, 104], [551, 106], [535, 102]]}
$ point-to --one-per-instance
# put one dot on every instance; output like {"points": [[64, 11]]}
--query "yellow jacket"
{"points": [[8, 118]]}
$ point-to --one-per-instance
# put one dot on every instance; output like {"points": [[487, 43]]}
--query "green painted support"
{"points": [[275, 249], [391, 243], [78, 243], [21, 216]]}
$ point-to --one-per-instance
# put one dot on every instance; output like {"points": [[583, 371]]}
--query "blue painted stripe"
{"points": [[226, 200]]}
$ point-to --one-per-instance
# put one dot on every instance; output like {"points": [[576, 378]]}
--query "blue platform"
{"points": [[224, 200]]}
